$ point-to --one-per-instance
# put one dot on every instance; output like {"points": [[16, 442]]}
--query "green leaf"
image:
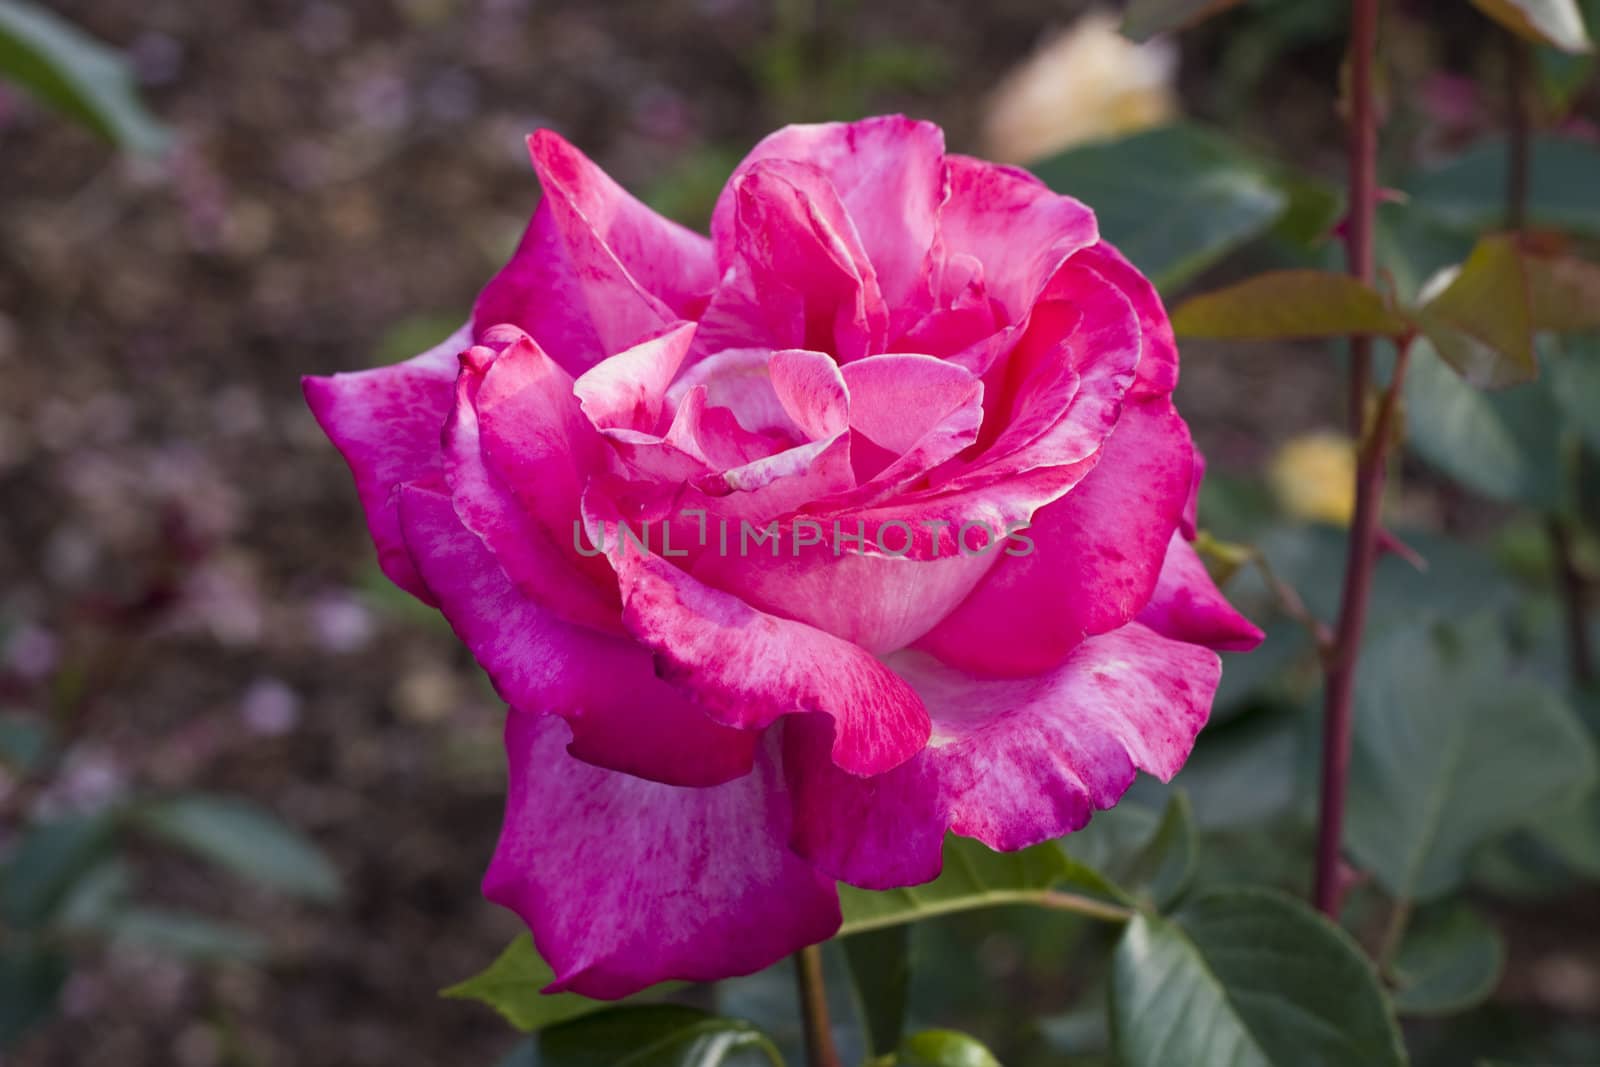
{"points": [[1288, 304], [943, 1048], [655, 1035], [1573, 835], [96, 896], [192, 937], [1140, 850], [511, 984], [1450, 960], [1469, 193], [1505, 445], [880, 977], [31, 978], [75, 74], [1174, 199], [1572, 372], [1436, 717], [1146, 18], [243, 839], [1314, 210], [1248, 978], [46, 863], [1481, 322], [974, 877], [1558, 23]]}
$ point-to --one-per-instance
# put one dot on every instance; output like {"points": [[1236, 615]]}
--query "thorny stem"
{"points": [[1291, 604], [1363, 186], [814, 1008], [1339, 684], [1362, 553]]}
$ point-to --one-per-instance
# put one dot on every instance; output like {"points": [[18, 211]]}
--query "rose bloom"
{"points": [[920, 351]]}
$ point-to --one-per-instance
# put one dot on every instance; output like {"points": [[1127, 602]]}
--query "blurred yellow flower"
{"points": [[1313, 477], [1084, 83]]}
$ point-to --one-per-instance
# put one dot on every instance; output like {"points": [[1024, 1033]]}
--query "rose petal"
{"points": [[740, 380], [1056, 396], [811, 390], [386, 423], [516, 451], [1017, 228], [597, 270], [1096, 557], [1158, 366], [622, 716], [715, 436], [914, 406], [628, 390], [1011, 762], [1054, 400], [1187, 606], [799, 277], [626, 883], [888, 174], [872, 599], [750, 668]]}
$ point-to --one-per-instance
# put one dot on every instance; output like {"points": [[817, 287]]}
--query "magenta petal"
{"points": [[626, 883], [1187, 606], [811, 390], [900, 400], [1059, 392], [1190, 524], [628, 390], [887, 172], [1020, 231], [1158, 367], [780, 483], [386, 423], [714, 434], [1097, 554], [516, 451], [750, 668], [1011, 762], [622, 716], [879, 602], [799, 277], [739, 380], [597, 270], [540, 292]]}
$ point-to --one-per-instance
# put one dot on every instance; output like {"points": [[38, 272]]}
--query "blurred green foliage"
{"points": [[75, 74]]}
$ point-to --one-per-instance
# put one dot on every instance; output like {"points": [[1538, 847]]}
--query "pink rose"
{"points": [[829, 423]]}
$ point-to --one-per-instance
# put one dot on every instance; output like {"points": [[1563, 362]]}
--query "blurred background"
{"points": [[194, 634]]}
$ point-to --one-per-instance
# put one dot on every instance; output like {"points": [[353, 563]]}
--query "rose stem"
{"points": [[1569, 577], [814, 1008], [1340, 664]]}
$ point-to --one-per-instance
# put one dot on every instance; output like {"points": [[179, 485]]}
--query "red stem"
{"points": [[1340, 665]]}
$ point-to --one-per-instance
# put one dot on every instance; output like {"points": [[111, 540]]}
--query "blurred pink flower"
{"points": [[920, 352]]}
